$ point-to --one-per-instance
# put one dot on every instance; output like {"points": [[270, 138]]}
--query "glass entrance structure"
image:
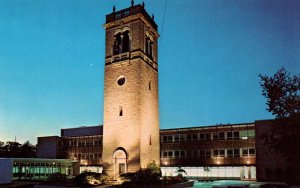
{"points": [[40, 169]]}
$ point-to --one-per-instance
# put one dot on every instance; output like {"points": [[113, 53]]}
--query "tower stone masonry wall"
{"points": [[131, 121]]}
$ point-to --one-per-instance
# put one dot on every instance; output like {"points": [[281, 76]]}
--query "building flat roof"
{"points": [[209, 127]]}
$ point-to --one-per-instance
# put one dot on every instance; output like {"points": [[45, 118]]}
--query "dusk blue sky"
{"points": [[210, 55]]}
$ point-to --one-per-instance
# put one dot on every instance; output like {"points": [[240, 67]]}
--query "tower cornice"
{"points": [[131, 14]]}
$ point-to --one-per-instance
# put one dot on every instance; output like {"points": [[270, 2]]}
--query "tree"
{"points": [[17, 150], [283, 100], [283, 94], [28, 150]]}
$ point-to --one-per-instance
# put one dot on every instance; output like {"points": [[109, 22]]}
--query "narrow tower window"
{"points": [[149, 47], [126, 41], [146, 45], [121, 111], [117, 48], [149, 85]]}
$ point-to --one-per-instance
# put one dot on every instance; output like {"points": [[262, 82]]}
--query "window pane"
{"points": [[182, 153], [236, 134], [229, 135], [236, 152], [245, 152], [216, 153], [221, 152], [208, 153], [221, 135], [195, 136], [207, 136], [202, 136], [251, 151], [215, 136]]}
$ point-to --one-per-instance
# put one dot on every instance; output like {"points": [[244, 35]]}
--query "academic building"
{"points": [[221, 151], [130, 137]]}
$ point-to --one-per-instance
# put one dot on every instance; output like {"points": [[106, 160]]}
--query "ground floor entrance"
{"points": [[120, 162]]}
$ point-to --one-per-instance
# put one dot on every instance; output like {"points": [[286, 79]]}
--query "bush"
{"points": [[127, 177], [57, 178], [90, 178], [141, 177]]}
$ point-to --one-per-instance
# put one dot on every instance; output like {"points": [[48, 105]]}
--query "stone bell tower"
{"points": [[131, 121]]}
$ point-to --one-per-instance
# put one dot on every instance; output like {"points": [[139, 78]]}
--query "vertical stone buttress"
{"points": [[131, 120]]}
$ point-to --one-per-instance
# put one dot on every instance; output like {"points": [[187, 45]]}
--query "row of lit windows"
{"points": [[230, 152], [83, 143], [174, 154], [245, 134]]}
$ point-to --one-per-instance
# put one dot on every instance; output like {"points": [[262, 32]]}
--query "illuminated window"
{"points": [[247, 134]]}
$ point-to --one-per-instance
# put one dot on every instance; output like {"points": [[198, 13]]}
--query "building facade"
{"points": [[83, 144], [130, 92], [223, 151], [220, 151]]}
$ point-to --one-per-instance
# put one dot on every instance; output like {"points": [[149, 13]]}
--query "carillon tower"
{"points": [[131, 120]]}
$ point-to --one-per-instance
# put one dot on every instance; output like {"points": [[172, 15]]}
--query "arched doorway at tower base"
{"points": [[120, 162]]}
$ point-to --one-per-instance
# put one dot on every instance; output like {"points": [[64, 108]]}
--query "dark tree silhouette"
{"points": [[283, 94], [283, 100], [17, 150]]}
